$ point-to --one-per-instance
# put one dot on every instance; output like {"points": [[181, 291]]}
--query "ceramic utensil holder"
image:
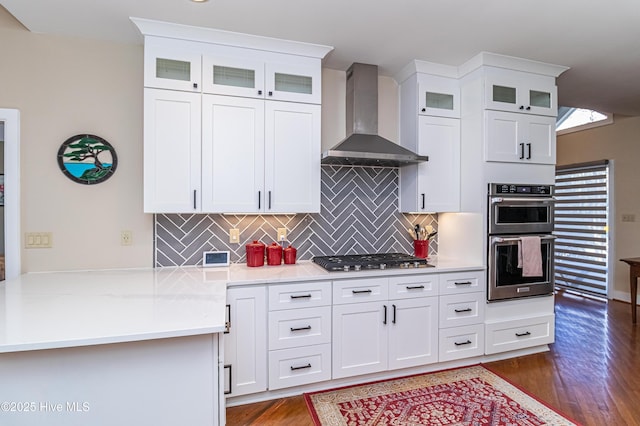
{"points": [[421, 248]]}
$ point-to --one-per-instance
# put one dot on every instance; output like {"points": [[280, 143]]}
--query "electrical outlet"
{"points": [[282, 234], [234, 235], [629, 217], [126, 238], [38, 240]]}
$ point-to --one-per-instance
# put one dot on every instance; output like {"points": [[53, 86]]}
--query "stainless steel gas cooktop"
{"points": [[358, 262]]}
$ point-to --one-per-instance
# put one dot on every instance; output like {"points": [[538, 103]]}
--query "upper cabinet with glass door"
{"points": [[515, 91], [277, 77], [172, 65], [438, 96]]}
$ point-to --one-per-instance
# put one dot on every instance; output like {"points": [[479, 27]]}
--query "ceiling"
{"points": [[599, 41]]}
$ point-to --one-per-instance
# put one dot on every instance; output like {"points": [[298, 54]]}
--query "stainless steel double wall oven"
{"points": [[515, 211]]}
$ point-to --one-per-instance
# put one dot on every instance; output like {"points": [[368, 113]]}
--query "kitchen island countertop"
{"points": [[81, 308]]}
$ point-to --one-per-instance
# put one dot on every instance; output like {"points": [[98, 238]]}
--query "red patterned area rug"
{"points": [[463, 396]]}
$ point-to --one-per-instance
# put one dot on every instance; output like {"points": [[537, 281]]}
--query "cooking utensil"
{"points": [[412, 232], [417, 230]]}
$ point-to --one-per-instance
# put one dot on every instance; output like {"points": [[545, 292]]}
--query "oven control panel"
{"points": [[518, 189]]}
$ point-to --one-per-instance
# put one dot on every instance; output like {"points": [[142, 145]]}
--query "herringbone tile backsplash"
{"points": [[359, 214]]}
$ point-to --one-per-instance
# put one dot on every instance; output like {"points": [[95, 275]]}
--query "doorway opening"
{"points": [[10, 119], [582, 225]]}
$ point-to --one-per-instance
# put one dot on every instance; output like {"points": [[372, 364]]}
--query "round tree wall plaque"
{"points": [[87, 159]]}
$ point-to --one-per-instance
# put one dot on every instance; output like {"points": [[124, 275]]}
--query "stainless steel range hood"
{"points": [[363, 146]]}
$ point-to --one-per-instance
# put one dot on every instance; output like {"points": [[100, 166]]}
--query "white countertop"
{"points": [[67, 309]]}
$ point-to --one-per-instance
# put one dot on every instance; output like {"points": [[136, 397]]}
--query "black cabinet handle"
{"points": [[194, 199], [463, 310], [526, 333], [259, 92], [522, 151], [394, 314], [259, 197], [528, 108], [270, 93], [300, 328], [528, 151], [462, 283], [361, 291], [227, 390], [423, 201], [415, 287], [468, 342], [269, 200], [521, 106], [227, 322], [195, 85], [300, 296], [384, 321], [300, 368], [424, 110]]}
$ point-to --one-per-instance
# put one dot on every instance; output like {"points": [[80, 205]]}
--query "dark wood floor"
{"points": [[591, 374]]}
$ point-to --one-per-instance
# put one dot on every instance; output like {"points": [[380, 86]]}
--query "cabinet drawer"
{"points": [[462, 282], [519, 333], [304, 295], [461, 342], [461, 309], [409, 287], [360, 290], [299, 327], [299, 366]]}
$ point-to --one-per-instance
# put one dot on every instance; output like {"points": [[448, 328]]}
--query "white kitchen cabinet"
{"points": [[299, 333], [515, 91], [462, 314], [172, 154], [256, 120], [433, 186], [519, 333], [260, 156], [284, 78], [520, 138], [372, 333], [171, 65], [245, 343], [438, 96]]}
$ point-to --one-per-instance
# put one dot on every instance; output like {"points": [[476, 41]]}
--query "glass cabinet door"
{"points": [[233, 76], [168, 68], [293, 82], [438, 96]]}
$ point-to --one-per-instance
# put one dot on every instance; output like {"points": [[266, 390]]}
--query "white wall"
{"points": [[63, 87], [618, 142]]}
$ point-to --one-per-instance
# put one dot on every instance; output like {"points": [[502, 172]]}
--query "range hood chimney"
{"points": [[363, 146]]}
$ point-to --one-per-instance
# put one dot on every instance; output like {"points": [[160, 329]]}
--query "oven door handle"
{"points": [[546, 200], [511, 239]]}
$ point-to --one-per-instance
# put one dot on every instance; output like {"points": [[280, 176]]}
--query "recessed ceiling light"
{"points": [[199, 1]]}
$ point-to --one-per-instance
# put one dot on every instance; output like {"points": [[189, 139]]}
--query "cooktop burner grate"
{"points": [[355, 262]]}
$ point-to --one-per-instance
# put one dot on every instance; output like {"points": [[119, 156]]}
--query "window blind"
{"points": [[581, 223]]}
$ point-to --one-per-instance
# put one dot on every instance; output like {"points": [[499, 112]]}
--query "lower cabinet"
{"points": [[299, 334], [520, 333], [373, 333], [245, 341]]}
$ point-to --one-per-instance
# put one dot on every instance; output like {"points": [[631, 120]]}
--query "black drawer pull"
{"points": [[301, 296], [463, 283], [415, 287], [463, 310], [301, 328], [468, 342], [361, 291], [300, 368], [526, 333]]}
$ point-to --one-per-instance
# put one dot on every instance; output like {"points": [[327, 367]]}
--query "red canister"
{"points": [[255, 254], [274, 254], [290, 255]]}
